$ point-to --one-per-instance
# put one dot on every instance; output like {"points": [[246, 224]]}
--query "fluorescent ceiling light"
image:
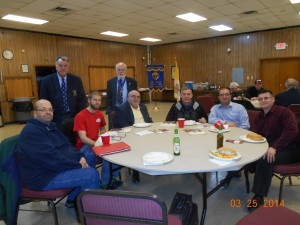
{"points": [[150, 39], [24, 19], [220, 27], [192, 17], [294, 1], [112, 33]]}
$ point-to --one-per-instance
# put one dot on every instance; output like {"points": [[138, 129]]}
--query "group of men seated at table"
{"points": [[48, 161]]}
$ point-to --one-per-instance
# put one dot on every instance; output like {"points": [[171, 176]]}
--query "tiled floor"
{"points": [[220, 205]]}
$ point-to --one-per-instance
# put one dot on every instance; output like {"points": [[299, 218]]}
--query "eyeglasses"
{"points": [[118, 137], [222, 95], [134, 96], [45, 110], [264, 98]]}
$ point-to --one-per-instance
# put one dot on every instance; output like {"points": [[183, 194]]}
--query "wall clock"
{"points": [[8, 54]]}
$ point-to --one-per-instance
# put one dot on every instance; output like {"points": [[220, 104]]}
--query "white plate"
{"points": [[190, 123], [142, 124], [213, 129], [244, 138], [238, 156], [157, 158]]}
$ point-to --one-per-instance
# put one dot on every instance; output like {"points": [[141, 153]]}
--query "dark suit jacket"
{"points": [[50, 90], [286, 98], [124, 115], [111, 92]]}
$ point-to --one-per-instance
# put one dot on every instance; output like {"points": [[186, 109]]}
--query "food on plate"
{"points": [[224, 152], [255, 137]]}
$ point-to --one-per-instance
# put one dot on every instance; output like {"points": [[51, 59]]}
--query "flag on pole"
{"points": [[176, 82]]}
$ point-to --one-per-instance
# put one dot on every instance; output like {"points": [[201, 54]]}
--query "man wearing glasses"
{"points": [[279, 126], [227, 112], [231, 113], [117, 90], [88, 124], [131, 112], [48, 161]]}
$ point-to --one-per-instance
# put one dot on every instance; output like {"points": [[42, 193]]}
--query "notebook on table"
{"points": [[111, 148]]}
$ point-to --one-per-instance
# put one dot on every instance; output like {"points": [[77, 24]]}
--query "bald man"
{"points": [[48, 161], [132, 111], [290, 96]]}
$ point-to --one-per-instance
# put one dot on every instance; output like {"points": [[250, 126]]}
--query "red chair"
{"points": [[295, 109], [284, 171], [271, 215], [207, 102], [97, 207], [14, 197], [52, 197]]}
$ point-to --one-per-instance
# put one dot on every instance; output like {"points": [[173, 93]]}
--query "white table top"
{"points": [[194, 155]]}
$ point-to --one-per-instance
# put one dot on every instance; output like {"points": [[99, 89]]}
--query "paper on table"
{"points": [[144, 132], [220, 162], [194, 131], [125, 130]]}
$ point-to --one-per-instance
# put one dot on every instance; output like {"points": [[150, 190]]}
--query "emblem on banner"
{"points": [[155, 75]]}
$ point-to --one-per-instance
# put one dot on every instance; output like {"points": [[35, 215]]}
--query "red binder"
{"points": [[111, 148]]}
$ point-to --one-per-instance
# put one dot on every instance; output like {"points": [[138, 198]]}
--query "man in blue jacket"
{"points": [[48, 161], [65, 91]]}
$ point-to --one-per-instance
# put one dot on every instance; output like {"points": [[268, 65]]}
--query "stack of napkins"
{"points": [[220, 162]]}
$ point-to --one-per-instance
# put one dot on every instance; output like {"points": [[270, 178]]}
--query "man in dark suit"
{"points": [[64, 91], [118, 89], [132, 112], [290, 96]]}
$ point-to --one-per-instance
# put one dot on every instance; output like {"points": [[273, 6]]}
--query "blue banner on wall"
{"points": [[155, 77]]}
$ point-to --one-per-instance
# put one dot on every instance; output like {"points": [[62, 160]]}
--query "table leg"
{"points": [[204, 197]]}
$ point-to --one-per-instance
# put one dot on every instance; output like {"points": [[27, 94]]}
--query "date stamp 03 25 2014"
{"points": [[268, 203]]}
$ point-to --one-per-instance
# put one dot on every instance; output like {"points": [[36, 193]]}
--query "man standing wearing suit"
{"points": [[118, 89], [64, 91], [290, 96], [132, 112]]}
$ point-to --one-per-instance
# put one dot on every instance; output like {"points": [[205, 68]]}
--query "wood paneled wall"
{"points": [[33, 49], [208, 59], [200, 60], [99, 75]]}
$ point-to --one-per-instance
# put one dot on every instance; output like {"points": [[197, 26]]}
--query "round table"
{"points": [[194, 155]]}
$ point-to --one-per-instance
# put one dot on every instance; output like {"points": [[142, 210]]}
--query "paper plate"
{"points": [[190, 123], [142, 124], [213, 129], [157, 158], [238, 156], [244, 138]]}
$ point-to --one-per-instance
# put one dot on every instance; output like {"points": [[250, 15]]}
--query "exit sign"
{"points": [[281, 45]]}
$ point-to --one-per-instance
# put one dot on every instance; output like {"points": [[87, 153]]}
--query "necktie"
{"points": [[120, 91], [64, 95]]}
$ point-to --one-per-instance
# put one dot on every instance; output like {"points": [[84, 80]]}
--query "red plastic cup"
{"points": [[181, 122], [218, 124], [105, 139]]}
